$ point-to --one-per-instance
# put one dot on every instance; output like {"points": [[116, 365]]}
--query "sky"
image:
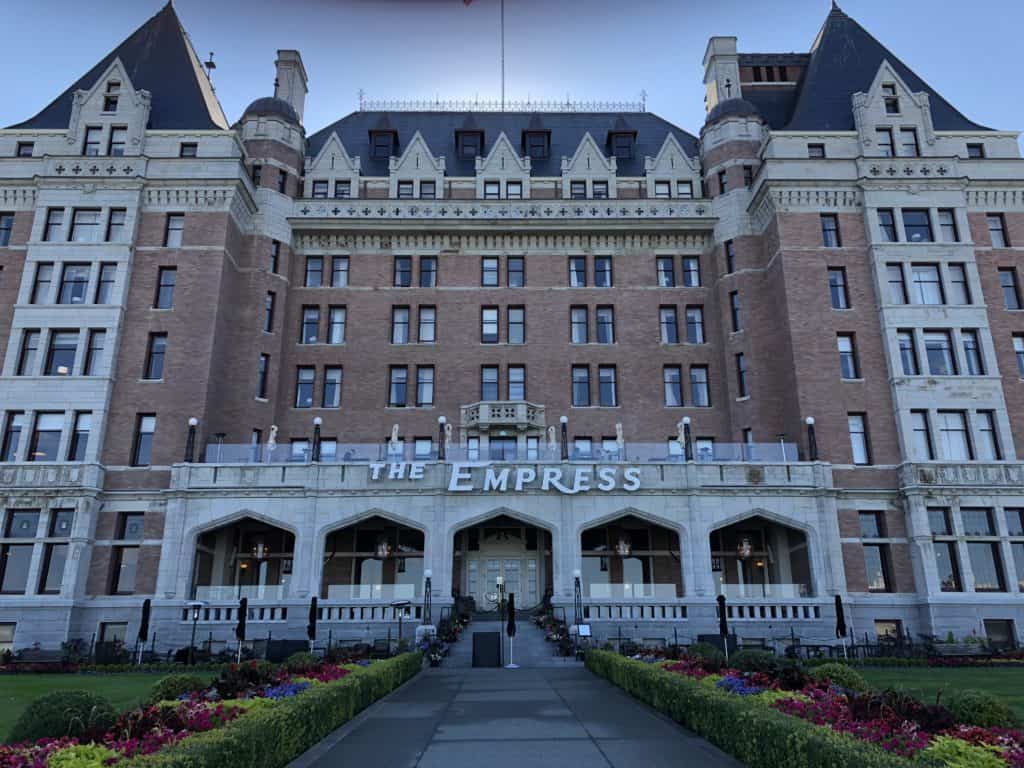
{"points": [[605, 50]]}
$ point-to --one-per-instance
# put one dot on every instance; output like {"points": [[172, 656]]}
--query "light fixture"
{"points": [[577, 573], [624, 546], [383, 549], [317, 421], [260, 550], [745, 548], [193, 421], [809, 421], [428, 574]]}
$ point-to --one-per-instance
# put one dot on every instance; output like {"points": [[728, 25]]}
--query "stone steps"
{"points": [[529, 648]]}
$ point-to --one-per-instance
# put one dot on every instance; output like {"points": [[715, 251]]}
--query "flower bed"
{"points": [[269, 715], [823, 723]]}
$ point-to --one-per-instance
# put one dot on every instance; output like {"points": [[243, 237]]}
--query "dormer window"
{"points": [[382, 143], [469, 143], [343, 188], [892, 101], [92, 141], [405, 190], [600, 190], [883, 137], [118, 139], [908, 142], [538, 144], [684, 189], [976, 151], [622, 145], [188, 149], [578, 190], [492, 190], [428, 190], [514, 190], [663, 189], [320, 188], [25, 148], [110, 98]]}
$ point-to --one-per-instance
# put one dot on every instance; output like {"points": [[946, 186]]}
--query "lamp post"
{"points": [[316, 438], [441, 421], [577, 608], [500, 582], [195, 606], [687, 440], [427, 597], [812, 440], [564, 420], [190, 443]]}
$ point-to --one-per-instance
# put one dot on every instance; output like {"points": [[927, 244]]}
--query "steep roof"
{"points": [[438, 129], [159, 58], [845, 58]]}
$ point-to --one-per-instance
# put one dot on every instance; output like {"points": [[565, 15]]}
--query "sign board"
{"points": [[517, 479], [584, 630]]}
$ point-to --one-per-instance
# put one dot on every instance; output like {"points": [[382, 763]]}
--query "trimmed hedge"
{"points": [[272, 737], [750, 731]]}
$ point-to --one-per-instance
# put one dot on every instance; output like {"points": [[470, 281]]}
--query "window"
{"points": [[382, 142], [938, 350], [666, 272], [425, 386], [816, 151], [577, 190], [986, 563], [691, 272], [1018, 351], [972, 353], [105, 284], [310, 331], [336, 317], [54, 225], [489, 382], [748, 175], [516, 382], [85, 225], [859, 438], [275, 256], [887, 225], [305, 377], [997, 230], [947, 225], [883, 137], [1008, 282], [469, 143], [173, 232], [837, 288], [580, 386], [578, 333], [492, 190], [403, 271], [60, 357], [908, 352], [142, 451], [897, 285], [257, 174], [94, 353], [672, 379], [428, 190], [343, 189], [400, 325], [600, 189], [603, 271], [953, 438], [314, 271], [12, 435], [489, 325], [947, 565], [959, 292], [890, 99], [608, 395], [332, 387], [537, 144], [514, 190], [622, 145], [489, 271], [188, 149], [426, 332], [926, 284], [975, 151], [398, 381], [723, 183], [730, 256], [605, 317], [339, 272], [917, 225], [118, 139], [876, 564], [428, 271], [684, 189], [268, 312], [320, 188], [14, 565], [1014, 521], [262, 375], [80, 436], [29, 350], [669, 325], [516, 325], [734, 311], [848, 368], [116, 229], [93, 134], [987, 443], [700, 394], [473, 448], [663, 189], [155, 355], [282, 181], [908, 142], [125, 567], [516, 267], [577, 271], [45, 437], [741, 375], [830, 230], [54, 558], [74, 281], [24, 149], [694, 325], [167, 279], [923, 449]]}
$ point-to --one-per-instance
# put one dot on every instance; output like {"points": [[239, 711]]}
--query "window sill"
{"points": [[859, 380], [743, 399], [151, 381]]}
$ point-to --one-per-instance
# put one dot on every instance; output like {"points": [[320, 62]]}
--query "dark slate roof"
{"points": [[438, 130], [270, 106], [844, 60], [775, 103], [732, 108], [160, 59]]}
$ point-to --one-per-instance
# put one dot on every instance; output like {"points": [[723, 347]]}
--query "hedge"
{"points": [[272, 737], [752, 732]]}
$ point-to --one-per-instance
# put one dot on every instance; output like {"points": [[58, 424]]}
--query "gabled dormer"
{"points": [[383, 139], [588, 174], [670, 173], [891, 119], [503, 174], [621, 140], [108, 119], [417, 173], [536, 139], [333, 172], [469, 139]]}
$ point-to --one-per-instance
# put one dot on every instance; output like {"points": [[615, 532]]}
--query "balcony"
{"points": [[234, 592], [51, 475], [631, 591], [968, 473], [765, 591], [502, 413]]}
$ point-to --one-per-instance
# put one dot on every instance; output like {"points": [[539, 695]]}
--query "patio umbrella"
{"points": [[510, 628], [311, 626], [841, 622], [143, 635], [723, 625], [243, 614]]}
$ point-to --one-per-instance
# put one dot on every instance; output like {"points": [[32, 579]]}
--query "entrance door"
{"points": [[519, 573]]}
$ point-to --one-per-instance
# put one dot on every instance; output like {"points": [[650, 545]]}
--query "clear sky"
{"points": [[584, 49]]}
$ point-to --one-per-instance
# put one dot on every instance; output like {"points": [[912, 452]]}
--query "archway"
{"points": [[760, 558], [245, 558], [373, 559], [630, 558]]}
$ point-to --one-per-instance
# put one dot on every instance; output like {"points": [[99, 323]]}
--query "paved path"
{"points": [[552, 716]]}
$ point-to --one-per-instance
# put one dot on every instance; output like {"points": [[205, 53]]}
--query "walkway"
{"points": [[557, 715]]}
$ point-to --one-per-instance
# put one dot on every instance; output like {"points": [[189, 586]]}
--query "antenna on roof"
{"points": [[643, 100], [210, 65], [362, 99]]}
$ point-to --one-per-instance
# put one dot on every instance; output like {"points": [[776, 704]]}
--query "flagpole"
{"points": [[502, 55]]}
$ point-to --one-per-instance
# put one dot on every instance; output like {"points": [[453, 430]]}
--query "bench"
{"points": [[961, 649], [37, 657]]}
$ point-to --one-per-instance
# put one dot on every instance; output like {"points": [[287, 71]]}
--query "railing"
{"points": [[368, 613], [624, 591], [225, 592], [375, 592], [224, 612], [628, 453], [773, 612], [632, 611], [502, 412], [766, 591]]}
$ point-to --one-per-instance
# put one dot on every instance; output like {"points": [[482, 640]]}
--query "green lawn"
{"points": [[926, 682], [17, 691]]}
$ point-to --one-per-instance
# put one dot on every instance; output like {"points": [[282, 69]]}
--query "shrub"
{"points": [[753, 660], [171, 687], [842, 675], [63, 713], [711, 657], [956, 753], [81, 756], [980, 708], [300, 662], [239, 678]]}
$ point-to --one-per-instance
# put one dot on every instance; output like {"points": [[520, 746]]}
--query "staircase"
{"points": [[529, 648]]}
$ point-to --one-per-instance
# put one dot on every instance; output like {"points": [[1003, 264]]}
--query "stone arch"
{"points": [[524, 517], [676, 525]]}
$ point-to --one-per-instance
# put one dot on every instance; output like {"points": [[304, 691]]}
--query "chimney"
{"points": [[290, 82], [721, 71]]}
